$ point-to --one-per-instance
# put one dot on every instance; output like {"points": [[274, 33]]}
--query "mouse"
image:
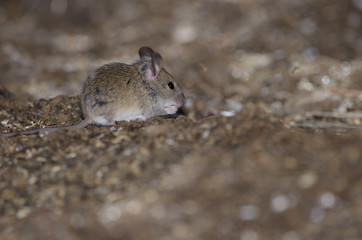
{"points": [[124, 92]]}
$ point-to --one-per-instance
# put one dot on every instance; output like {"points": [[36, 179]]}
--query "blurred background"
{"points": [[220, 49]]}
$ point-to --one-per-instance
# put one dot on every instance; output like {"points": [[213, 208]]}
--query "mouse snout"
{"points": [[180, 99]]}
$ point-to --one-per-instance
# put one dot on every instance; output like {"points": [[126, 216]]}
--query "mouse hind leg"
{"points": [[101, 120]]}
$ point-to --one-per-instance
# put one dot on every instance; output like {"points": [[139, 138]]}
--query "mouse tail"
{"points": [[82, 124]]}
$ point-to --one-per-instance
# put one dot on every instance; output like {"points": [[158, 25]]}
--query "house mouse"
{"points": [[118, 91]]}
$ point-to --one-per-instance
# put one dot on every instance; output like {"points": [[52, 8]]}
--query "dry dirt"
{"points": [[268, 146]]}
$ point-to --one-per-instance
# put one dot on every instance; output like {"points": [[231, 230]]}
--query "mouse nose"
{"points": [[180, 99]]}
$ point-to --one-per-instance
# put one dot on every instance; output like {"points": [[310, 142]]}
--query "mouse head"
{"points": [[162, 85]]}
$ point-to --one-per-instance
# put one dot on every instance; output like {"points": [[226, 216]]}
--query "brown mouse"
{"points": [[118, 91]]}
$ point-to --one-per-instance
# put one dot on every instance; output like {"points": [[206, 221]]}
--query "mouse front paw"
{"points": [[172, 109]]}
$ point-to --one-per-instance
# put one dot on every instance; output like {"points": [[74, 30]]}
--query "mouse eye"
{"points": [[170, 85]]}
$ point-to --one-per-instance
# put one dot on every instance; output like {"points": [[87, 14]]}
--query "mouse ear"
{"points": [[146, 53], [153, 69]]}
